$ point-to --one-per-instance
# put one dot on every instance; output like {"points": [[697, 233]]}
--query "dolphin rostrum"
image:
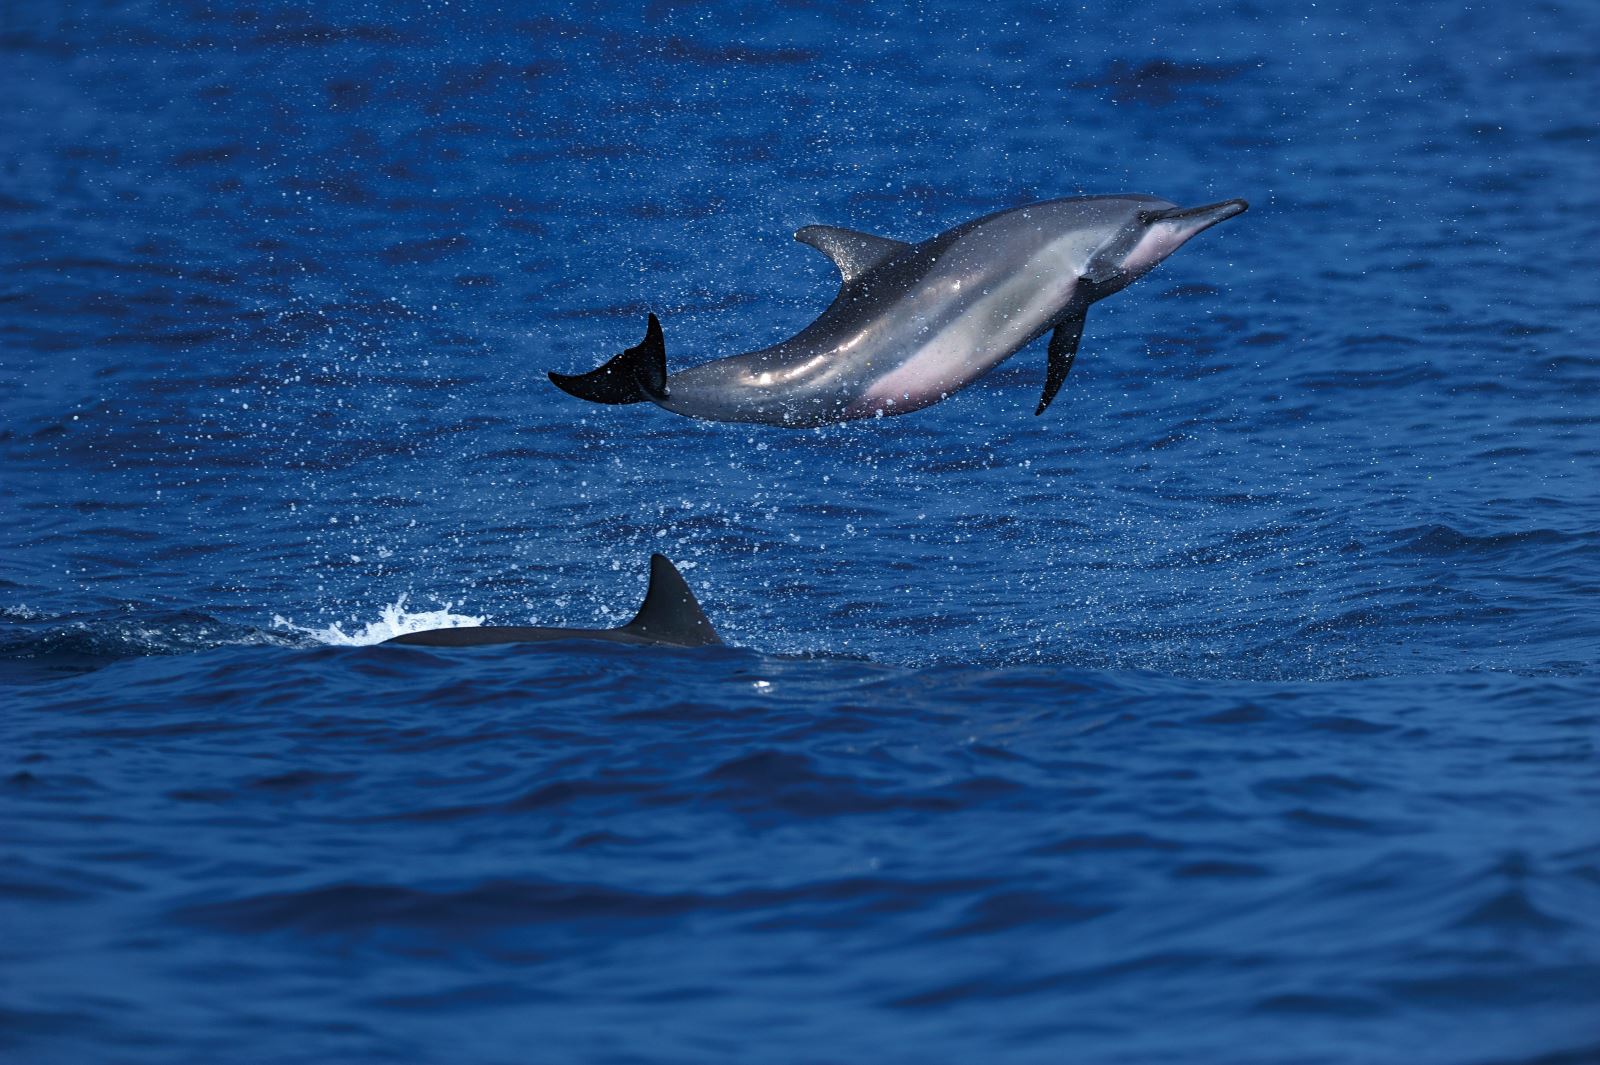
{"points": [[915, 323], [670, 616]]}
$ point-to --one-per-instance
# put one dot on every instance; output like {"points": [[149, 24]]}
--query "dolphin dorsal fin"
{"points": [[853, 253], [670, 613]]}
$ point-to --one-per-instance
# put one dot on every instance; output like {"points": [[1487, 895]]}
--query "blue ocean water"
{"points": [[1243, 708]]}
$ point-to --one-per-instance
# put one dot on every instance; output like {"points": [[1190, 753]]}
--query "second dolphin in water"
{"points": [[670, 616], [914, 323]]}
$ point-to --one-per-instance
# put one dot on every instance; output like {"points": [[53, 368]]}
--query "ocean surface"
{"points": [[1242, 708]]}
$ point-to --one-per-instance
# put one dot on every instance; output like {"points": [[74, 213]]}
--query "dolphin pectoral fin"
{"points": [[638, 374], [1063, 349], [670, 613], [852, 252]]}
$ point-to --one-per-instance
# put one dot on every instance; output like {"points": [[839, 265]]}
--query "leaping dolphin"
{"points": [[915, 323], [670, 615]]}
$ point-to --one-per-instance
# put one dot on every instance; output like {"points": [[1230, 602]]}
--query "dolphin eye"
{"points": [[1148, 217]]}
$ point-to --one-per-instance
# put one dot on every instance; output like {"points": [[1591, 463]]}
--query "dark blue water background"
{"points": [[1241, 709]]}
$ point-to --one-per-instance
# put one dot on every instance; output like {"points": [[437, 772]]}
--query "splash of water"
{"points": [[394, 621]]}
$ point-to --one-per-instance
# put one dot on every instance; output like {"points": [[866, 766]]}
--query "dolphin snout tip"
{"points": [[1195, 219], [1212, 213]]}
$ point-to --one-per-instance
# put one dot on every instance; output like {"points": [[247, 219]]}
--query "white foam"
{"points": [[396, 620]]}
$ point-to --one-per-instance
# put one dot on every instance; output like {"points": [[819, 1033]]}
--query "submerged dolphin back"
{"points": [[670, 616]]}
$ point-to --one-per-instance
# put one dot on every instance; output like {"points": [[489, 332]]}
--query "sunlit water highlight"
{"points": [[394, 620]]}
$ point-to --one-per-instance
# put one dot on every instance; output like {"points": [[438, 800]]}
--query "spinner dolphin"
{"points": [[915, 323]]}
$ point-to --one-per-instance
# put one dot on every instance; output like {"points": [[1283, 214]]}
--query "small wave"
{"points": [[1438, 539], [1162, 81], [395, 620], [495, 912], [38, 646]]}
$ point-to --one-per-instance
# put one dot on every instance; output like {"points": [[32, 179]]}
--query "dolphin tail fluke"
{"points": [[1063, 349], [670, 613], [638, 374]]}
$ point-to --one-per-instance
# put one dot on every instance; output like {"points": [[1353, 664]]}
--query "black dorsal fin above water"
{"points": [[670, 612], [670, 616], [853, 252]]}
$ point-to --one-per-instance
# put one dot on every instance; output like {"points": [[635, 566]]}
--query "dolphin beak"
{"points": [[1198, 219]]}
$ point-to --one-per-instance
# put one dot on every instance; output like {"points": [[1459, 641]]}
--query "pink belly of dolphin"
{"points": [[977, 341], [942, 366]]}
